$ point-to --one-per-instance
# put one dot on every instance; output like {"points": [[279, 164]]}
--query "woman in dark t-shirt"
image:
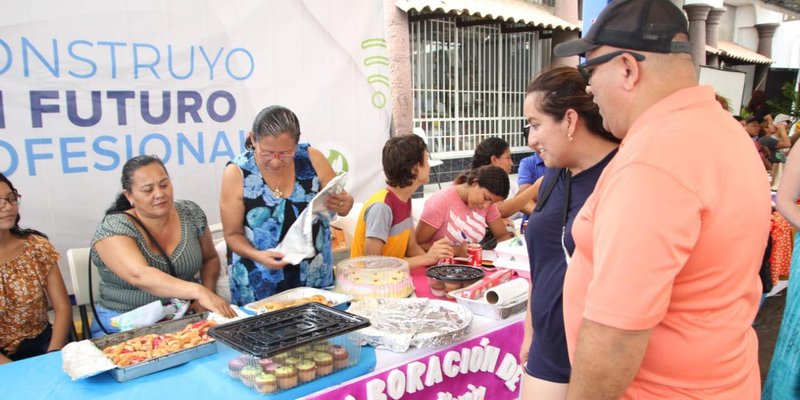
{"points": [[567, 130]]}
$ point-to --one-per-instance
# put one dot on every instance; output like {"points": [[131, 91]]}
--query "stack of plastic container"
{"points": [[290, 347]]}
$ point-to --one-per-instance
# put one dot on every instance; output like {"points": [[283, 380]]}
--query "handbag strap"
{"points": [[548, 189]]}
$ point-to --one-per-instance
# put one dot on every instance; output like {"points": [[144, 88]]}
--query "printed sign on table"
{"points": [[486, 367]]}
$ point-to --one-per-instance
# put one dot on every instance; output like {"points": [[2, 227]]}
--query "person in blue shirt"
{"points": [[531, 168], [567, 130]]}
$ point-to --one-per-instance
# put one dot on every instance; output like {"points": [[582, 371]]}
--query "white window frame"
{"points": [[459, 106]]}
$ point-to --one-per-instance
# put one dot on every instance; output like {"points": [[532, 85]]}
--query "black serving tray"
{"points": [[272, 333], [455, 273]]}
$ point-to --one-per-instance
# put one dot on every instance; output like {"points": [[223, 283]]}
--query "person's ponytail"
{"points": [[120, 204]]}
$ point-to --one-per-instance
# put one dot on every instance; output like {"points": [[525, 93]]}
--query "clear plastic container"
{"points": [[373, 277], [283, 349], [292, 368]]}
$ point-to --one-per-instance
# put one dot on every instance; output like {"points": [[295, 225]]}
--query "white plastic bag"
{"points": [[149, 314]]}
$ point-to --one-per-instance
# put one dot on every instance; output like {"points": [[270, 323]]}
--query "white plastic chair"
{"points": [[78, 259], [216, 232], [223, 288], [433, 162]]}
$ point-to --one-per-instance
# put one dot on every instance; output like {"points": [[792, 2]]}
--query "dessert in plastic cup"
{"points": [[291, 361], [287, 377], [266, 383], [340, 356], [265, 363], [248, 375], [306, 371], [235, 366], [324, 362]]}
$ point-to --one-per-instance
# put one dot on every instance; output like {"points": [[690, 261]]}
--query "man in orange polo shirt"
{"points": [[663, 286]]}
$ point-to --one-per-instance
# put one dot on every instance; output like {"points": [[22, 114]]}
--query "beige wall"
{"points": [[568, 11], [399, 53]]}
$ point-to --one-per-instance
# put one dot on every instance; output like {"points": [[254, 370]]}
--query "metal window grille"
{"points": [[468, 83]]}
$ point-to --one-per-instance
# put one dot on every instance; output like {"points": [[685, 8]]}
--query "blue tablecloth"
{"points": [[204, 378]]}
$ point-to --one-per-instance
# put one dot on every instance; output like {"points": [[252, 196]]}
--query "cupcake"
{"points": [[340, 356], [287, 377], [248, 374], [324, 361], [306, 370], [291, 361], [235, 366], [280, 358], [266, 383], [270, 369], [302, 352], [322, 346], [264, 363]]}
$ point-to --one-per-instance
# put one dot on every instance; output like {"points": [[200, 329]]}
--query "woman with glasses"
{"points": [[567, 130], [264, 190], [150, 247], [29, 276]]}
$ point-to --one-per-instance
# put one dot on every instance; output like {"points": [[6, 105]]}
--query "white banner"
{"points": [[84, 86]]}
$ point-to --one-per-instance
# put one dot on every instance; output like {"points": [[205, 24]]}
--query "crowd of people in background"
{"points": [[647, 209]]}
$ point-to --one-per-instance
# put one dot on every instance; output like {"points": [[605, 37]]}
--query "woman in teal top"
{"points": [[264, 190], [132, 270]]}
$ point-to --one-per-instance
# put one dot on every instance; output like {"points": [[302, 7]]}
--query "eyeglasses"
{"points": [[14, 199], [526, 129], [275, 155], [586, 68], [280, 155]]}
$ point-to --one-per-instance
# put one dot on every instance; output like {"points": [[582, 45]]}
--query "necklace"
{"points": [[276, 190]]}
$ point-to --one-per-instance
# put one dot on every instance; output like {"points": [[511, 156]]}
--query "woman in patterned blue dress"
{"points": [[264, 190]]}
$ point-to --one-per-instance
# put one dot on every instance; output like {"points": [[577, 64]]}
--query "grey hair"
{"points": [[274, 120]]}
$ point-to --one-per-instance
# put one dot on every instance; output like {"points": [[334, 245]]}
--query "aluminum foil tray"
{"points": [[336, 300], [398, 324], [275, 332], [123, 374], [481, 307]]}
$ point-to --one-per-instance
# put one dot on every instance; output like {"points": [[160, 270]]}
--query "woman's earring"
{"points": [[569, 137]]}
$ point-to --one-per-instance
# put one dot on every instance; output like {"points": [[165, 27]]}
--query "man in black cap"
{"points": [[663, 285]]}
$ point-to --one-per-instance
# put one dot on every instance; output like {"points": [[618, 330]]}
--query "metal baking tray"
{"points": [[123, 374], [338, 300], [481, 307], [276, 332]]}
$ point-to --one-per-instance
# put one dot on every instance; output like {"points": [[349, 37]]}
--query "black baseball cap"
{"points": [[645, 25]]}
